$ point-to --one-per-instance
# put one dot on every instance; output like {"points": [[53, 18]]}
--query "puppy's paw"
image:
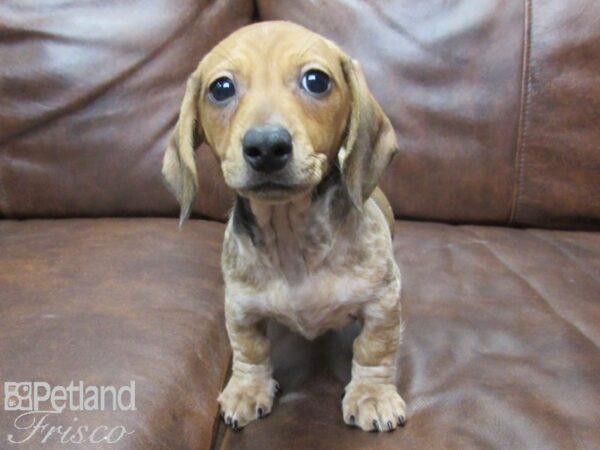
{"points": [[373, 406], [245, 399]]}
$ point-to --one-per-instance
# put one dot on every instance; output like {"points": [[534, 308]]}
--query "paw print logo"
{"points": [[17, 396]]}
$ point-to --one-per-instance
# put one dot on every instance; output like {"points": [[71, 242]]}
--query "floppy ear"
{"points": [[370, 139], [179, 167]]}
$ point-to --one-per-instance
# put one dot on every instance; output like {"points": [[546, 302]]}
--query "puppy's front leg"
{"points": [[250, 391], [371, 400]]}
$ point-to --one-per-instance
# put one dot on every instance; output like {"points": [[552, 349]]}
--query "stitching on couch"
{"points": [[525, 101]]}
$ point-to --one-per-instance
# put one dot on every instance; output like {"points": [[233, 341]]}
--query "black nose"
{"points": [[267, 148]]}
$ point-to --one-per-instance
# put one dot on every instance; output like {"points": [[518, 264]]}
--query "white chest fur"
{"points": [[321, 301]]}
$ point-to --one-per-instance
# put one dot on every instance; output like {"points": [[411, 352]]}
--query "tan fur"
{"points": [[379, 197], [315, 256]]}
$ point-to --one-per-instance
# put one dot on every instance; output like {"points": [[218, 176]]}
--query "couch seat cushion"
{"points": [[500, 349], [108, 302]]}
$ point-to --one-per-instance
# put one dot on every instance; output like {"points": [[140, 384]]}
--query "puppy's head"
{"points": [[279, 105]]}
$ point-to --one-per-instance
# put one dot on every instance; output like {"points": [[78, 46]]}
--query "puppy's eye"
{"points": [[221, 89], [316, 82]]}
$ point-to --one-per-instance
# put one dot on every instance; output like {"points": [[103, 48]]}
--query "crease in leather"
{"points": [[21, 34], [525, 102], [102, 88], [403, 31], [575, 242], [567, 254], [542, 299]]}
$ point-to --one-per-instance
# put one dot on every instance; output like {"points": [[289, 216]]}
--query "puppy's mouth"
{"points": [[272, 191], [269, 186], [294, 180]]}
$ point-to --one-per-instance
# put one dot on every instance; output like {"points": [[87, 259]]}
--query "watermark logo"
{"points": [[39, 406], [17, 396]]}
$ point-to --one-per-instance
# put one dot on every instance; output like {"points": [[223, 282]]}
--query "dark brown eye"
{"points": [[221, 90], [316, 82]]}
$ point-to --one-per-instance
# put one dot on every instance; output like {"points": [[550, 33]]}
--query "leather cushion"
{"points": [[113, 301], [90, 94], [500, 349], [495, 103]]}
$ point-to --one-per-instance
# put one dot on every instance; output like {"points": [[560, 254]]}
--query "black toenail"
{"points": [[260, 413], [390, 425], [228, 420], [352, 420], [401, 421], [376, 425], [235, 424]]}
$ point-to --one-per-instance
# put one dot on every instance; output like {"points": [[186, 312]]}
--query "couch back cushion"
{"points": [[89, 94], [495, 103]]}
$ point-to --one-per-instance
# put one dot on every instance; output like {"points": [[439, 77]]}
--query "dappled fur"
{"points": [[319, 254]]}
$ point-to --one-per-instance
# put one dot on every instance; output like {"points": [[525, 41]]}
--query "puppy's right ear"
{"points": [[179, 167]]}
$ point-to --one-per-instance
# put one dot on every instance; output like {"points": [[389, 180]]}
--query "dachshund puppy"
{"points": [[303, 143]]}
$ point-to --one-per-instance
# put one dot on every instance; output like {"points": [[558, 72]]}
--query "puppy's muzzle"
{"points": [[267, 148]]}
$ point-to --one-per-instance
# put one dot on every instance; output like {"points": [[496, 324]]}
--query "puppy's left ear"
{"points": [[179, 166], [370, 143]]}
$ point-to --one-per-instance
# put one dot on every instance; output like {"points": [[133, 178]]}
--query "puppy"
{"points": [[303, 143]]}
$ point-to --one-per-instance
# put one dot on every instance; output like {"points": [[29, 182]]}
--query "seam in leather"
{"points": [[4, 204], [256, 16], [218, 427], [525, 102]]}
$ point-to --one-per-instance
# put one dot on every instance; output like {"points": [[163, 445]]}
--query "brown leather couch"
{"points": [[496, 190]]}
